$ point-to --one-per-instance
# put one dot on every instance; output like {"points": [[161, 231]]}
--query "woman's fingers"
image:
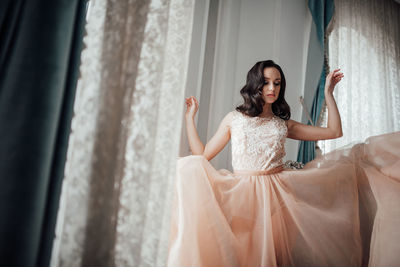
{"points": [[191, 101], [194, 102], [336, 77], [333, 78], [336, 73]]}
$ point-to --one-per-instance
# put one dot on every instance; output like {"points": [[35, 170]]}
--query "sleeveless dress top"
{"points": [[258, 143]]}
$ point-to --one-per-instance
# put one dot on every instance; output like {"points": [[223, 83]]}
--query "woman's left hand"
{"points": [[332, 79]]}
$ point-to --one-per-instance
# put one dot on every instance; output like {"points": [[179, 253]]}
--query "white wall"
{"points": [[196, 64], [248, 31]]}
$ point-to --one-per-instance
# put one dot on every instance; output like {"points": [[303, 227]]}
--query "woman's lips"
{"points": [[271, 95]]}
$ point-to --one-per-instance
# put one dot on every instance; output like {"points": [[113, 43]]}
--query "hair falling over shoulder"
{"points": [[251, 92]]}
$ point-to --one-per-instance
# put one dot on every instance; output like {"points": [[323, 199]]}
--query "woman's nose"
{"points": [[271, 87]]}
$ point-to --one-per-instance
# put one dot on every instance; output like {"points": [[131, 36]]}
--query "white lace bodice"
{"points": [[257, 143]]}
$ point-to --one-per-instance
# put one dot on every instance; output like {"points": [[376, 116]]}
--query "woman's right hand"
{"points": [[192, 105]]}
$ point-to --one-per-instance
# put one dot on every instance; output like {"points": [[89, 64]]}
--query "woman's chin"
{"points": [[270, 101]]}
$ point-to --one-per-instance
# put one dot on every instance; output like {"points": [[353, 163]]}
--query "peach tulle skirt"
{"points": [[342, 209]]}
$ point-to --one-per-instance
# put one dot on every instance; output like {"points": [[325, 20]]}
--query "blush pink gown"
{"points": [[342, 209]]}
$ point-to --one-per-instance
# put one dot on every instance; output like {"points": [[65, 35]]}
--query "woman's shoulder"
{"points": [[232, 114], [235, 114], [231, 117], [228, 119]]}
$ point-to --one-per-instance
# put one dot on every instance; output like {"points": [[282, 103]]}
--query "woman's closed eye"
{"points": [[276, 84]]}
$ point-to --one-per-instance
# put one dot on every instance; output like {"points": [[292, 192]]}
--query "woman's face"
{"points": [[272, 85]]}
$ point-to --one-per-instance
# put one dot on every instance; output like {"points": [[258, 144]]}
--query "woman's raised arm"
{"points": [[216, 143], [333, 130]]}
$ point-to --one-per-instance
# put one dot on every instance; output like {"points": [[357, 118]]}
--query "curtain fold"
{"points": [[322, 13], [115, 205], [39, 58]]}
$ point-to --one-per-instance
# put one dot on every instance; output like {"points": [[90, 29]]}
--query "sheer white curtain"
{"points": [[365, 44], [124, 144]]}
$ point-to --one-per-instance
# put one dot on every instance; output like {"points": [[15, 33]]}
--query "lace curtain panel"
{"points": [[365, 44], [125, 137]]}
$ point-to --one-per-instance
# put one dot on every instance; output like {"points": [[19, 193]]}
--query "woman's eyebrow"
{"points": [[277, 79]]}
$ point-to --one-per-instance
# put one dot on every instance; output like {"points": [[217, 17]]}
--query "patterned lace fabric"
{"points": [[119, 175], [365, 43], [257, 143]]}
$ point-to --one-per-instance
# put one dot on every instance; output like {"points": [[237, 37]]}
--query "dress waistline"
{"points": [[259, 172]]}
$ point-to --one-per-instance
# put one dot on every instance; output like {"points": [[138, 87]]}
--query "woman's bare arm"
{"points": [[196, 146], [333, 130], [216, 143]]}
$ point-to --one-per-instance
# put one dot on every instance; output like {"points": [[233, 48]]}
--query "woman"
{"points": [[265, 215]]}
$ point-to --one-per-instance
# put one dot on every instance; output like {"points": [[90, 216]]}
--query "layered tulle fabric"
{"points": [[377, 170], [342, 209]]}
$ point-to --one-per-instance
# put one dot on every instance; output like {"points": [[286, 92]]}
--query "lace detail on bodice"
{"points": [[257, 143]]}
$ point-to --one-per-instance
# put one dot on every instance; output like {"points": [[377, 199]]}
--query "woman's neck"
{"points": [[267, 111]]}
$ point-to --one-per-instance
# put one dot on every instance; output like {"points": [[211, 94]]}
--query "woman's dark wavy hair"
{"points": [[252, 92]]}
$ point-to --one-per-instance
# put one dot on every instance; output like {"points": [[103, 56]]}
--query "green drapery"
{"points": [[322, 13], [40, 45]]}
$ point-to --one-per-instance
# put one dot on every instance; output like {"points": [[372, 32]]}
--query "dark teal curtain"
{"points": [[40, 45], [322, 13]]}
